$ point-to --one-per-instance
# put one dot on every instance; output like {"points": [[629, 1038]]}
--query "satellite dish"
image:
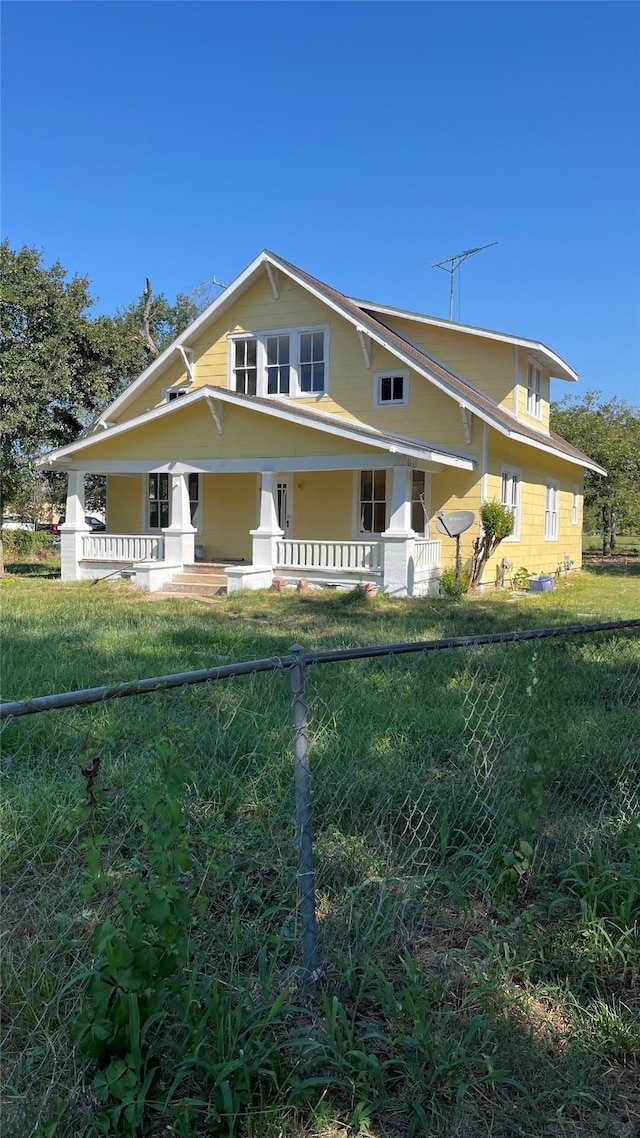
{"points": [[452, 525]]}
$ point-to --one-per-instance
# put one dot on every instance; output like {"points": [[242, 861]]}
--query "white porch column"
{"points": [[73, 528], [179, 536], [399, 538], [268, 531]]}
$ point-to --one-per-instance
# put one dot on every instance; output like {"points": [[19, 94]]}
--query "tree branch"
{"points": [[145, 335]]}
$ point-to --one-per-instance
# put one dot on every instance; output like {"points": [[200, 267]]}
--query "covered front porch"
{"points": [[271, 487], [398, 561]]}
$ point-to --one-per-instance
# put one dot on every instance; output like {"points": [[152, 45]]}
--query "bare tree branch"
{"points": [[145, 335]]}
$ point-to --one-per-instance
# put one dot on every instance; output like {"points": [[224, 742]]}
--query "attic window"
{"points": [[390, 388], [172, 393]]}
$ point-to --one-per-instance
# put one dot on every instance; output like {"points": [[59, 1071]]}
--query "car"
{"points": [[94, 524], [16, 521]]}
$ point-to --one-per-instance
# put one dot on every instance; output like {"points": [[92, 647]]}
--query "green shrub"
{"points": [[448, 586], [521, 578], [21, 543]]}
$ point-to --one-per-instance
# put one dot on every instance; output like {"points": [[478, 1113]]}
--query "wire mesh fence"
{"points": [[417, 763]]}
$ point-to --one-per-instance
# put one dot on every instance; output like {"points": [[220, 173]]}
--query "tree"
{"points": [[60, 367], [56, 362], [496, 524], [146, 327], [609, 433]]}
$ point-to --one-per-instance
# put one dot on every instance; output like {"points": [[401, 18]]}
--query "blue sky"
{"points": [[362, 141]]}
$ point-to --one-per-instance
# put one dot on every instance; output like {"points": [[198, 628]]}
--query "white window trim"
{"points": [[198, 518], [146, 500], [177, 392], [575, 505], [146, 528], [551, 516], [426, 506], [535, 383], [364, 535], [513, 472], [378, 376], [294, 357]]}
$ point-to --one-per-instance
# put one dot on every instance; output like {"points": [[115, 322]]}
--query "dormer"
{"points": [[531, 393]]}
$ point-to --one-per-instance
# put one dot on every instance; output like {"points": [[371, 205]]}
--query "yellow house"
{"points": [[292, 431]]}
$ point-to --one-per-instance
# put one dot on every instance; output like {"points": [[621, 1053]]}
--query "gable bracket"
{"points": [[274, 279], [466, 422], [187, 355], [217, 411], [365, 344]]}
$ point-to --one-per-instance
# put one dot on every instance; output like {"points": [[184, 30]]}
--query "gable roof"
{"points": [[558, 367], [366, 321], [292, 412]]}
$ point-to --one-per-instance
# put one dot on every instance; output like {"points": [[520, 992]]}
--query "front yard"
{"points": [[477, 855]]}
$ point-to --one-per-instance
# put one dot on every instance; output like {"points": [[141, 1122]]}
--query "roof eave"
{"points": [[157, 366], [62, 457], [559, 368], [581, 460]]}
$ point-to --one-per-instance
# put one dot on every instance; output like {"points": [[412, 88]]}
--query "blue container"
{"points": [[541, 584]]}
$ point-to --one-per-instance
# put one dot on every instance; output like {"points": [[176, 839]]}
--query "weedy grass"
{"points": [[477, 870]]}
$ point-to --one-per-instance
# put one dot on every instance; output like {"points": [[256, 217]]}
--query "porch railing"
{"points": [[122, 547], [426, 555], [330, 556]]}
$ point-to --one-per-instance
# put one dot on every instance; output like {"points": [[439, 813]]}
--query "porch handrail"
{"points": [[426, 554], [122, 547], [329, 556]]}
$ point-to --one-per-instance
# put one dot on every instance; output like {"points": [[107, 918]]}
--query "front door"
{"points": [[284, 503]]}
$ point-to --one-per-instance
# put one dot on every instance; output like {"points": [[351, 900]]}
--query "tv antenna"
{"points": [[452, 264]]}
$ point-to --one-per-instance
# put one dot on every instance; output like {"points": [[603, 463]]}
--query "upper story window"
{"points": [[534, 390], [312, 362], [278, 365], [390, 388], [289, 362], [245, 371], [510, 498]]}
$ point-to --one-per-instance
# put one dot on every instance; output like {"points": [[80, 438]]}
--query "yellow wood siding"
{"points": [[323, 505], [229, 505], [541, 424], [532, 550], [488, 364], [125, 503], [455, 490], [190, 432], [174, 375], [430, 415]]}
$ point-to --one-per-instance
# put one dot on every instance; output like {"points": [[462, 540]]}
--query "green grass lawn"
{"points": [[477, 855], [625, 543], [67, 636]]}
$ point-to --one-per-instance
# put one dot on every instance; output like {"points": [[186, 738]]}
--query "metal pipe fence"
{"points": [[412, 763]]}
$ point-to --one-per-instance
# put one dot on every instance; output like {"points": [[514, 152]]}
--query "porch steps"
{"points": [[203, 580]]}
